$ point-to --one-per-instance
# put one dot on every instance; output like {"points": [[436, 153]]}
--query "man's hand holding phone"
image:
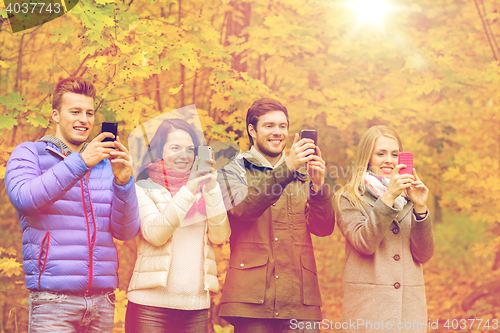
{"points": [[97, 150], [316, 168], [301, 152], [121, 163]]}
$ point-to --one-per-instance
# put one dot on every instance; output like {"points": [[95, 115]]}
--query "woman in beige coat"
{"points": [[182, 213], [388, 230]]}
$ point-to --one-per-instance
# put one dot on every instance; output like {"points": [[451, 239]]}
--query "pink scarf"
{"points": [[173, 179]]}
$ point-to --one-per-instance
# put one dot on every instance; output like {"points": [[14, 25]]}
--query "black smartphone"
{"points": [[310, 134], [110, 128], [205, 153]]}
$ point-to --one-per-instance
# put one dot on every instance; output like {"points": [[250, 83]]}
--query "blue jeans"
{"points": [[258, 325], [67, 313], [153, 319]]}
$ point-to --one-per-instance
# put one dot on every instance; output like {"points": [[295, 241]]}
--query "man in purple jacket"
{"points": [[72, 198]]}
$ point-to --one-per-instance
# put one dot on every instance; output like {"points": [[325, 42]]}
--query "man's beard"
{"points": [[263, 149]]}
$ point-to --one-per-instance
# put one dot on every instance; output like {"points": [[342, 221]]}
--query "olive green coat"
{"points": [[272, 271]]}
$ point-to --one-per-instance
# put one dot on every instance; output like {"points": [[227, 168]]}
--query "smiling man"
{"points": [[273, 208], [72, 198]]}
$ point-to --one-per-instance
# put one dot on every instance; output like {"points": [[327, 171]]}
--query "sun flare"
{"points": [[370, 11]]}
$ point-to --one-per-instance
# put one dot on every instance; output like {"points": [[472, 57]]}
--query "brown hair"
{"points": [[160, 139], [259, 108], [75, 85]]}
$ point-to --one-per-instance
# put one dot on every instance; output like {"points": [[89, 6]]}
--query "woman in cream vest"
{"points": [[182, 213]]}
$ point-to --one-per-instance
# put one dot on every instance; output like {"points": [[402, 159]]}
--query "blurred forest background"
{"points": [[430, 70]]}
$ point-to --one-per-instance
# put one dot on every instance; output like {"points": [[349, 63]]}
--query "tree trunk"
{"points": [[235, 28], [438, 213], [18, 87]]}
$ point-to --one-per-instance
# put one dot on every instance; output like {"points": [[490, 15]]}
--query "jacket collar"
{"points": [[63, 148]]}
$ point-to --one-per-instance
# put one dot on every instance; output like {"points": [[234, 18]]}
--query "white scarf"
{"points": [[377, 185], [259, 157]]}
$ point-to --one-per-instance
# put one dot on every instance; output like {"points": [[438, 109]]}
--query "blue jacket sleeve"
{"points": [[28, 189], [125, 222]]}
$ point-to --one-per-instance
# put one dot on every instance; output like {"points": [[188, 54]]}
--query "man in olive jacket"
{"points": [[274, 203]]}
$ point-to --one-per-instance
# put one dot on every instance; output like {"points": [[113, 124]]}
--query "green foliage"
{"points": [[8, 121], [14, 102]]}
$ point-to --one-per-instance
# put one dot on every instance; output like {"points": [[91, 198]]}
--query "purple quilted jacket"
{"points": [[69, 216]]}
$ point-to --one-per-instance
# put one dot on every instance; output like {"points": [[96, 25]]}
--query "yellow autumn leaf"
{"points": [[174, 91], [9, 267]]}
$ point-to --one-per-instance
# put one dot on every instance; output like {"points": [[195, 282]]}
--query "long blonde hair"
{"points": [[356, 184]]}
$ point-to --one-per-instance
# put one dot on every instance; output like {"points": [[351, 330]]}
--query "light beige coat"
{"points": [[160, 215], [383, 278]]}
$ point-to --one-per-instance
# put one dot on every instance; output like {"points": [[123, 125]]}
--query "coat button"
{"points": [[397, 257], [397, 285], [395, 230], [261, 301], [277, 276], [276, 314], [242, 265], [274, 204], [276, 239]]}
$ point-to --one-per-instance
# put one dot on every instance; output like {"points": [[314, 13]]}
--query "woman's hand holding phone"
{"points": [[418, 194], [212, 180], [417, 191], [200, 177], [397, 185]]}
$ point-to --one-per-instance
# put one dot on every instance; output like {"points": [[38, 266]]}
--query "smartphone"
{"points": [[205, 153], [110, 128], [406, 159], [310, 134]]}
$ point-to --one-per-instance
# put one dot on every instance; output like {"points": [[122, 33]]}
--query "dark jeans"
{"points": [[152, 319], [257, 325]]}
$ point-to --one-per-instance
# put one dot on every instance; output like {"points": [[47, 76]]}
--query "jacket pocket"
{"points": [[246, 279], [42, 257], [310, 287]]}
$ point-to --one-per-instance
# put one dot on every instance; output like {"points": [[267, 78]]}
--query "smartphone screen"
{"points": [[110, 128], [310, 134], [406, 159]]}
